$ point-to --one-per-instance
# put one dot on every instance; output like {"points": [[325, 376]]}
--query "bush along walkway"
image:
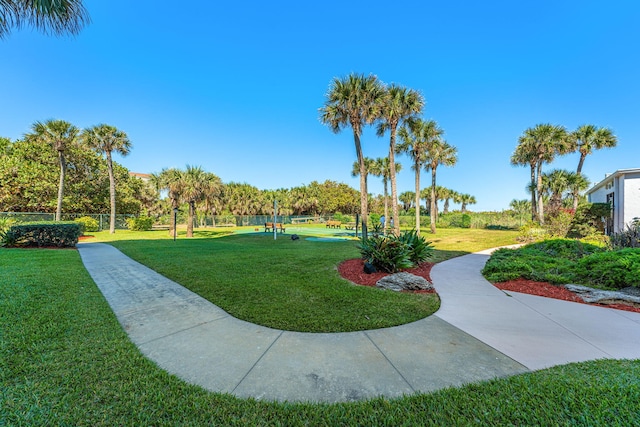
{"points": [[479, 333]]}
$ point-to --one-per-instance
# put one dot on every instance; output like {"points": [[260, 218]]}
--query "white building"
{"points": [[622, 190]]}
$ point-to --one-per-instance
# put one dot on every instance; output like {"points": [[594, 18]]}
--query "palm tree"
{"points": [[555, 183], [539, 145], [520, 207], [587, 138], [439, 152], [172, 180], [407, 199], [446, 194], [369, 168], [466, 199], [577, 183], [354, 101], [50, 16], [382, 167], [60, 135], [106, 139], [416, 136], [399, 104], [213, 196]]}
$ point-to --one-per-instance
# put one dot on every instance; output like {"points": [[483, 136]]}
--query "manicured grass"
{"points": [[283, 284], [290, 285], [64, 360]]}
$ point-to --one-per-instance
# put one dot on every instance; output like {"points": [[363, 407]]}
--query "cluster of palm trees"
{"points": [[102, 138], [542, 144], [356, 101]]}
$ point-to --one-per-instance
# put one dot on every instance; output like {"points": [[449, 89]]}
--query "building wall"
{"points": [[630, 189]]}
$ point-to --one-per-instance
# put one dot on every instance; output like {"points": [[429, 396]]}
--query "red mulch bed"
{"points": [[353, 270], [548, 290]]}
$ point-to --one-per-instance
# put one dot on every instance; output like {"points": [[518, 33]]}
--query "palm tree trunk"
{"points": [[581, 162], [192, 208], [63, 171], [174, 223], [394, 187], [434, 207], [539, 193], [112, 194], [534, 209], [363, 184], [417, 169], [386, 206]]}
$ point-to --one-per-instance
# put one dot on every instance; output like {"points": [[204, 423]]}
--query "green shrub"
{"points": [[629, 238], [60, 234], [87, 224], [394, 253], [612, 269], [559, 223], [564, 248], [140, 223], [531, 232], [386, 253], [419, 249]]}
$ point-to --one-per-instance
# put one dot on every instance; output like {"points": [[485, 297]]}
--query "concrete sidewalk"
{"points": [[479, 333]]}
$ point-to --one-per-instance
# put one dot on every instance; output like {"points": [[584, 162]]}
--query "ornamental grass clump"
{"points": [[393, 253]]}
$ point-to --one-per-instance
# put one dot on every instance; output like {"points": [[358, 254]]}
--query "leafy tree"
{"points": [[106, 139], [50, 16], [417, 136], [354, 101], [438, 153], [541, 144], [587, 138], [399, 104], [60, 135]]}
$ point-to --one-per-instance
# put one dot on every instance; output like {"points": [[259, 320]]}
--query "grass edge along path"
{"points": [[65, 360]]}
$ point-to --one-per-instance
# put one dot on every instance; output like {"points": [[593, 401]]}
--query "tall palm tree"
{"points": [[399, 104], [541, 144], [439, 152], [466, 199], [50, 16], [60, 135], [587, 138], [524, 155], [416, 136], [354, 101], [106, 139]]}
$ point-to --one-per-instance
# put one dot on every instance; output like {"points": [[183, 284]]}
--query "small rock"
{"points": [[295, 237], [404, 282], [370, 268]]}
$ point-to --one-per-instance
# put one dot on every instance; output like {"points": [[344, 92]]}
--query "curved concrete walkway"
{"points": [[479, 333]]}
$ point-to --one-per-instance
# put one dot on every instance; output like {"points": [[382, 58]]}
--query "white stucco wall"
{"points": [[630, 189]]}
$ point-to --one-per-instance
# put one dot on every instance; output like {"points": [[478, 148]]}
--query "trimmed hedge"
{"points": [[59, 234], [141, 223]]}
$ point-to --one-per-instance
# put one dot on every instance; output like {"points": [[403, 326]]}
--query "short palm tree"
{"points": [[439, 152], [416, 136], [587, 138], [172, 181], [354, 101], [577, 183], [520, 207], [399, 104], [60, 135], [464, 200], [407, 199], [382, 168], [555, 183], [105, 139], [50, 16]]}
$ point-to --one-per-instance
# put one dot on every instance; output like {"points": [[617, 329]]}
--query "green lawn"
{"points": [[290, 285], [65, 360]]}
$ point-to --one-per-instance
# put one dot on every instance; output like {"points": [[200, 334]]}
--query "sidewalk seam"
{"points": [[256, 362], [413, 390]]}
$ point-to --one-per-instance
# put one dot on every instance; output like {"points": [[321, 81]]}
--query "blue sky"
{"points": [[235, 88]]}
